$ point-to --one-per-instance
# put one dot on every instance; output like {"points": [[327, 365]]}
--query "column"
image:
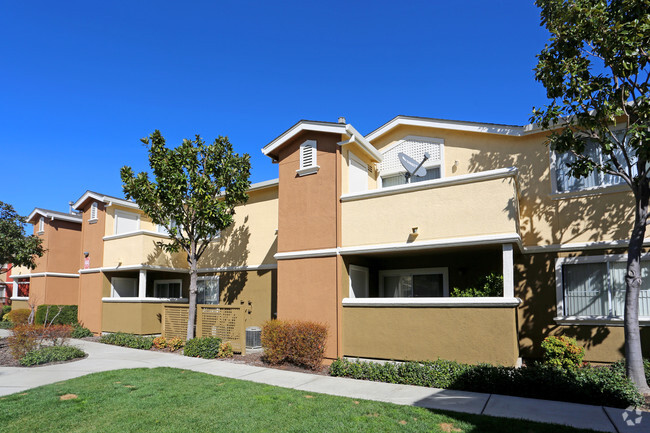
{"points": [[508, 272], [142, 284]]}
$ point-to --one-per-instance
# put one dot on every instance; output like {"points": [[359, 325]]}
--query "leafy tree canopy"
{"points": [[15, 247]]}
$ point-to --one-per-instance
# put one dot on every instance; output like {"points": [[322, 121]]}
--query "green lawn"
{"points": [[166, 399]]}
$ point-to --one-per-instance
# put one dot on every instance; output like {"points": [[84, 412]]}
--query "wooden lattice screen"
{"points": [[175, 321], [223, 321]]}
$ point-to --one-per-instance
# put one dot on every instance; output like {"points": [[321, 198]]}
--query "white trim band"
{"points": [[19, 298], [597, 320], [180, 270], [435, 183], [145, 300], [577, 246], [325, 252], [432, 302], [136, 233], [45, 274]]}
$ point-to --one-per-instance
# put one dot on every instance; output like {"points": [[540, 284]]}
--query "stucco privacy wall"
{"points": [[535, 285], [468, 335], [480, 208], [251, 240], [545, 218], [132, 317], [140, 249], [19, 305]]}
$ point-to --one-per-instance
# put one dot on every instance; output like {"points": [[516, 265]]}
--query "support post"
{"points": [[142, 284], [508, 271]]}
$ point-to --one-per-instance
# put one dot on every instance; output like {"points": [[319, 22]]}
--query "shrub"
{"points": [[590, 385], [203, 347], [80, 332], [298, 342], [562, 352], [6, 325], [5, 310], [18, 317], [225, 350], [127, 340], [160, 342], [24, 339], [56, 335], [67, 316], [175, 343], [51, 354], [489, 285]]}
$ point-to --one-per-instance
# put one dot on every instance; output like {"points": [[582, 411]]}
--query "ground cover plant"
{"points": [[127, 340], [45, 355], [172, 400], [589, 385]]}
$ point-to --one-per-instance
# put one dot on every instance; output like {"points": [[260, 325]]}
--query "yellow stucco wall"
{"points": [[19, 305], [468, 335], [20, 270], [140, 249], [481, 208], [133, 317]]}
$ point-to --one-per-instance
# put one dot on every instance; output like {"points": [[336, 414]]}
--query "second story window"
{"points": [[126, 222], [308, 163], [41, 225]]}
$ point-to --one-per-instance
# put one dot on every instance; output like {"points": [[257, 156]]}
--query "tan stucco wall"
{"points": [[91, 289], [141, 249], [133, 317], [482, 208], [92, 236], [19, 305], [307, 290], [54, 290], [535, 285], [251, 239], [308, 204], [61, 242], [256, 291], [544, 219], [468, 335]]}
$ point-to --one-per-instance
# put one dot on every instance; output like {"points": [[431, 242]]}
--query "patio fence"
{"points": [[223, 321]]}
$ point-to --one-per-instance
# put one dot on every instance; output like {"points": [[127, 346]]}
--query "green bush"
{"points": [[81, 332], [589, 385], [562, 352], [204, 347], [489, 285], [5, 310], [68, 315], [6, 325], [298, 342], [51, 354], [127, 340]]}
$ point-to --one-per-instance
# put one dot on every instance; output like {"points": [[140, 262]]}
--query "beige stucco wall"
{"points": [[481, 208], [251, 240], [20, 270], [134, 317], [19, 305], [140, 249], [468, 335]]}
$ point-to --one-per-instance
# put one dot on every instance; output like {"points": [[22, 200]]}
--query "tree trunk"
{"points": [[191, 316], [633, 355]]}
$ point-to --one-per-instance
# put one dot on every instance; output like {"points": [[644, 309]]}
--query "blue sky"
{"points": [[83, 81]]}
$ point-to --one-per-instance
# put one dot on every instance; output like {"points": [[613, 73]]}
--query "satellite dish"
{"points": [[413, 168]]}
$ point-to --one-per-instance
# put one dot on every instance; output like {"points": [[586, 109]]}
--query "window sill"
{"points": [[308, 170], [19, 298], [432, 302], [597, 190], [145, 300], [597, 320]]}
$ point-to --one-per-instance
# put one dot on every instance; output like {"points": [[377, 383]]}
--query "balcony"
{"points": [[139, 248], [467, 209]]}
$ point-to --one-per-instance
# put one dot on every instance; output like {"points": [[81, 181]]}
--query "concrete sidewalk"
{"points": [[103, 357]]}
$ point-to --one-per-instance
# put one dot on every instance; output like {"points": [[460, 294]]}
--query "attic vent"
{"points": [[308, 154], [93, 211], [415, 147]]}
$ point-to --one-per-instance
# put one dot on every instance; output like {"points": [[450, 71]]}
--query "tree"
{"points": [[595, 71], [193, 196], [15, 247]]}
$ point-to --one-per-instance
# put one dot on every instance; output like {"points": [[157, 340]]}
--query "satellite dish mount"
{"points": [[412, 167]]}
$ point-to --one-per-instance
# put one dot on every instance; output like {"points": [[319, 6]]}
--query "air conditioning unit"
{"points": [[253, 337]]}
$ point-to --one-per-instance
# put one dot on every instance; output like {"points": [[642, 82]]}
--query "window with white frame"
{"points": [[564, 182], [391, 170], [359, 281], [122, 287], [308, 162], [167, 288], [594, 286], [93, 212], [208, 290], [414, 283], [126, 222], [41, 225]]}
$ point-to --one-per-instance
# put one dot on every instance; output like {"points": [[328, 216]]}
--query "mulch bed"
{"points": [[254, 358]]}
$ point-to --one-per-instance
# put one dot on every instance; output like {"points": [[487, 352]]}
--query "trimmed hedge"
{"points": [[127, 340], [589, 385], [203, 347], [68, 315], [51, 354], [298, 342]]}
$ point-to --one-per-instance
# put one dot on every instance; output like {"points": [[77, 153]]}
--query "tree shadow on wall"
{"points": [[544, 220]]}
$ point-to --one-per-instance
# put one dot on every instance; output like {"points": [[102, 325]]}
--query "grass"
{"points": [[172, 400]]}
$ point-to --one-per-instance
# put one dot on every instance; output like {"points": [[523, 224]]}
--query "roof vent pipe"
{"points": [[342, 120]]}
